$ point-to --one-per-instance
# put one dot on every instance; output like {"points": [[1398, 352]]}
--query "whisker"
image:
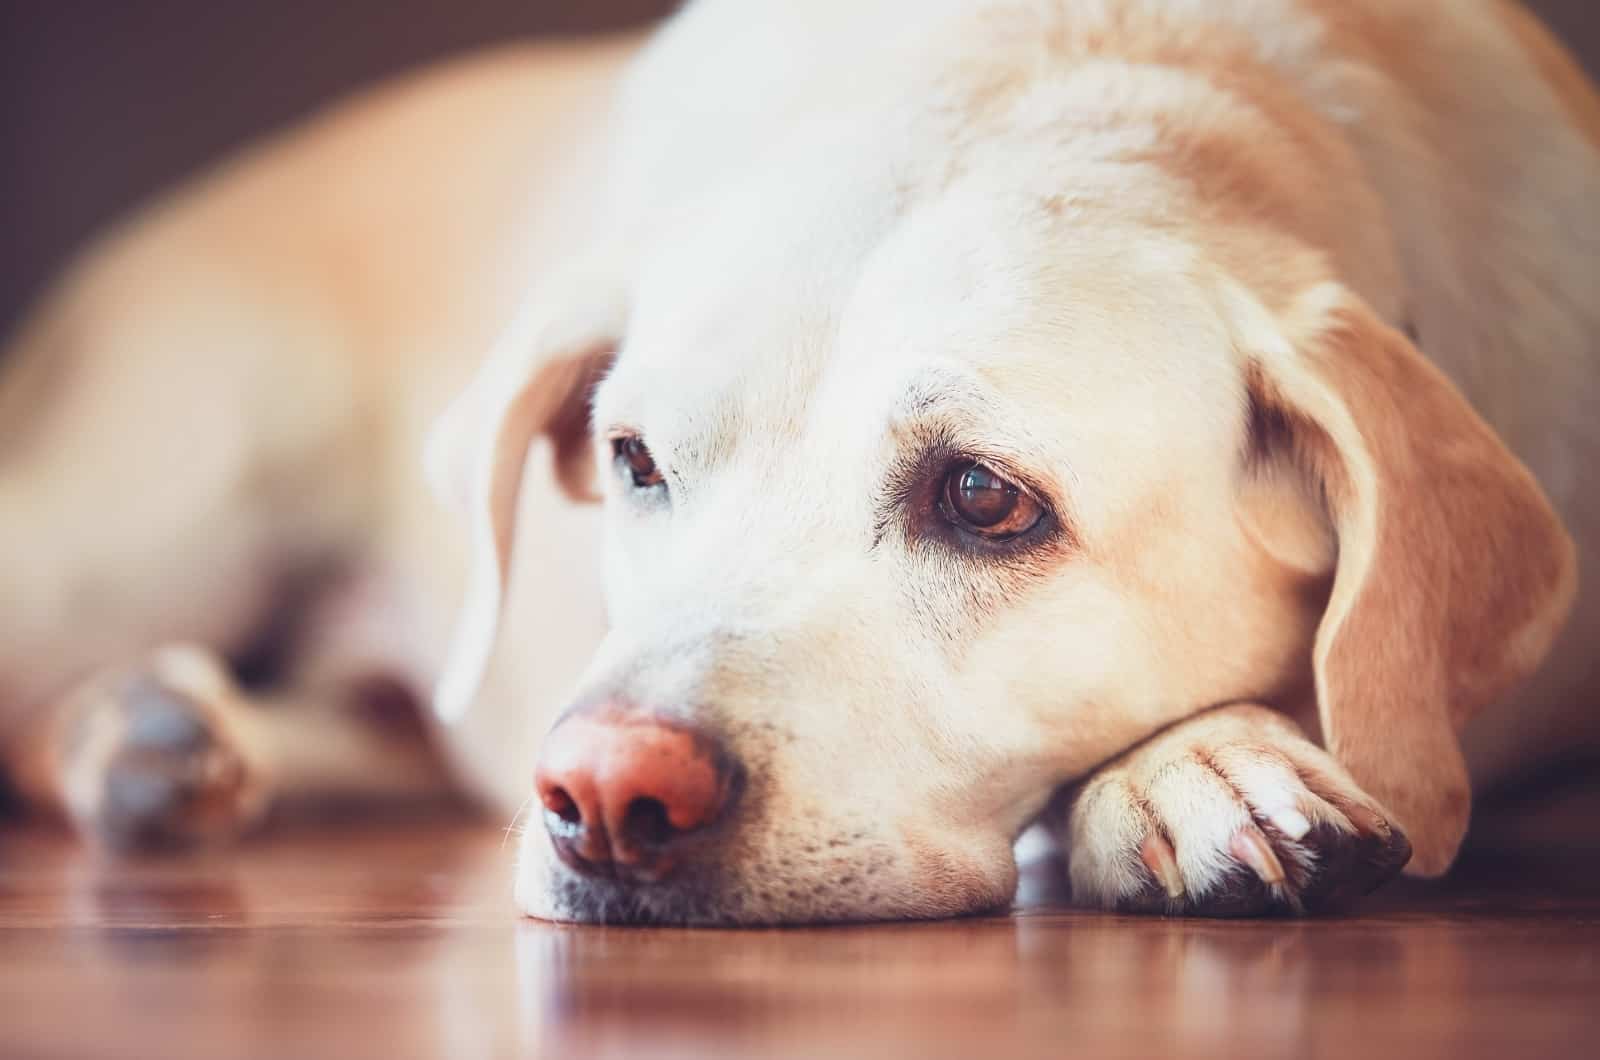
{"points": [[512, 827]]}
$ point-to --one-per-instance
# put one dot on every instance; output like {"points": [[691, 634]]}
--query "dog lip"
{"points": [[604, 870], [579, 852]]}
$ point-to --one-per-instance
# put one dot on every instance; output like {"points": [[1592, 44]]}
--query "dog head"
{"points": [[943, 458]]}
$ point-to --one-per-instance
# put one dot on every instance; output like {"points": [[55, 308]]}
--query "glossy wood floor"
{"points": [[398, 941]]}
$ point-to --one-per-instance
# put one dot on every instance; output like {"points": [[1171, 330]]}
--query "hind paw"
{"points": [[149, 760]]}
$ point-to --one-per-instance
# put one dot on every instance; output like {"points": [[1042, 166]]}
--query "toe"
{"points": [[1239, 893], [1352, 865]]}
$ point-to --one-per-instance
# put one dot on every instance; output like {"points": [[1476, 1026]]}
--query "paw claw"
{"points": [[1368, 821], [1396, 852], [1159, 858], [1251, 847]]}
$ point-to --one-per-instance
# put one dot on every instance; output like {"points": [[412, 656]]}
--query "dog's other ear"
{"points": [[1453, 574], [536, 383]]}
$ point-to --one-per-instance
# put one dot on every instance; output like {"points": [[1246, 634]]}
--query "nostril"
{"points": [[646, 822], [558, 802], [623, 797]]}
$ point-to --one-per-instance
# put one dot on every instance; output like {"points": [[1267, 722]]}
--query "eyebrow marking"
{"points": [[965, 414]]}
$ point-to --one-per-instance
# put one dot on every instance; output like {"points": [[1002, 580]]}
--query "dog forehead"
{"points": [[736, 296], [870, 234], [825, 313]]}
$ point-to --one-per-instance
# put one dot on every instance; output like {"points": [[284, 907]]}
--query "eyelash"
{"points": [[914, 499], [624, 449]]}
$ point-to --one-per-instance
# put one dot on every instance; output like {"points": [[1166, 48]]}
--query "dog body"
{"points": [[830, 272], [312, 306]]}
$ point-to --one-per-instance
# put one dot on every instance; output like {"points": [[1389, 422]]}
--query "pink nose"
{"points": [[626, 793]]}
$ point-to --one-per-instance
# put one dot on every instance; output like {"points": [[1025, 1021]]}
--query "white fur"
{"points": [[820, 233]]}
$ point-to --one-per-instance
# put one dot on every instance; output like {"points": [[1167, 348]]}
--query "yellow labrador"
{"points": [[1163, 421]]}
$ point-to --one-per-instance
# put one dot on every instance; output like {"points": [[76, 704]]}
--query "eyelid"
{"points": [[946, 448], [618, 432], [665, 484], [953, 406], [1003, 465]]}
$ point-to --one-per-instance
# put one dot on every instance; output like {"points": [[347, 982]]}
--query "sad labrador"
{"points": [[1166, 422]]}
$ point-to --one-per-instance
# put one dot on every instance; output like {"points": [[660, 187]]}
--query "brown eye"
{"points": [[979, 500], [640, 464]]}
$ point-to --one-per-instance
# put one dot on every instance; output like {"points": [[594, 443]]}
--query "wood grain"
{"points": [[400, 941]]}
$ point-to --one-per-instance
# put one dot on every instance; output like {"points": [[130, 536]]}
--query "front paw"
{"points": [[1232, 813]]}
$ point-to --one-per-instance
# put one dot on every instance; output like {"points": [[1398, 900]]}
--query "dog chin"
{"points": [[553, 892], [548, 890], [869, 886], [604, 902], [562, 895]]}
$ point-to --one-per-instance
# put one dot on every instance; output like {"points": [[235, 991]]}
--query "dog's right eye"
{"points": [[981, 502], [635, 456]]}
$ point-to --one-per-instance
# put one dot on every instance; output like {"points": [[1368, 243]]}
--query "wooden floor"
{"points": [[398, 941]]}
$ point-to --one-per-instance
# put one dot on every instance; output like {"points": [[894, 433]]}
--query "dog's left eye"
{"points": [[979, 501], [635, 456]]}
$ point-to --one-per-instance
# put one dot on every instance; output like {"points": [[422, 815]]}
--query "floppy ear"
{"points": [[537, 382], [1453, 573]]}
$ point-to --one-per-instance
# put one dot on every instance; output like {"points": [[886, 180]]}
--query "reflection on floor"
{"points": [[399, 940]]}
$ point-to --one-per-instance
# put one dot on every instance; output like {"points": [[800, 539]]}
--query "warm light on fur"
{"points": [[1304, 578]]}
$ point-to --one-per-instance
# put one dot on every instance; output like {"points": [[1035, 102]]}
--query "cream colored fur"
{"points": [[1157, 260]]}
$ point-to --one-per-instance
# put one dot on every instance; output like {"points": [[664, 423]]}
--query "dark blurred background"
{"points": [[104, 101]]}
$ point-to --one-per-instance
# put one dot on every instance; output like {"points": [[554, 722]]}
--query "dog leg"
{"points": [[173, 753], [175, 444], [180, 449], [1229, 813]]}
